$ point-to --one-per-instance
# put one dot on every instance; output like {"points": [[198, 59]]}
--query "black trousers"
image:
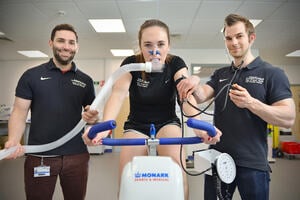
{"points": [[72, 171]]}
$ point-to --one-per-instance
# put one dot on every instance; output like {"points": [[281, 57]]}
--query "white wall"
{"points": [[219, 56], [11, 71], [99, 69], [206, 56], [292, 71]]}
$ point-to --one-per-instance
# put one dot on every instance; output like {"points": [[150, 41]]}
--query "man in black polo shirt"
{"points": [[56, 93], [248, 94]]}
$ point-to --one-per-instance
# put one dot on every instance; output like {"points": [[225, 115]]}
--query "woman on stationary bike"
{"points": [[152, 98]]}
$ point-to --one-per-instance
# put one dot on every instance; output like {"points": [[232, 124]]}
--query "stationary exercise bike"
{"points": [[159, 177]]}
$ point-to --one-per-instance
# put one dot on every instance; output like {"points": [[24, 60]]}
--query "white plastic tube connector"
{"points": [[99, 100], [156, 66]]}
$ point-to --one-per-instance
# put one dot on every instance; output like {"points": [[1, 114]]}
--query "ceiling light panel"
{"points": [[122, 52], [107, 25], [294, 54], [33, 54]]}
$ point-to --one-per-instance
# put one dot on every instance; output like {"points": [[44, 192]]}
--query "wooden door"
{"points": [[296, 95]]}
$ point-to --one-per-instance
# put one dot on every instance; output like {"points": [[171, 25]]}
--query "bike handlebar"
{"points": [[111, 124], [102, 126], [146, 141], [202, 125]]}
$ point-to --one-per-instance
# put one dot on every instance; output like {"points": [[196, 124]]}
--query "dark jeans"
{"points": [[72, 171], [252, 185]]}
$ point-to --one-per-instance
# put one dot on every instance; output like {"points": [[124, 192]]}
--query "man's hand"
{"points": [[240, 96], [90, 116], [20, 151], [187, 86]]}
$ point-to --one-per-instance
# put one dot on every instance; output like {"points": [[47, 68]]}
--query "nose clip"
{"points": [[152, 52]]}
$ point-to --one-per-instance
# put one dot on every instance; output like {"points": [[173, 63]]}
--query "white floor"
{"points": [[103, 181]]}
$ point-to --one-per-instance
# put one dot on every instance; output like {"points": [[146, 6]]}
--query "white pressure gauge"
{"points": [[226, 168]]}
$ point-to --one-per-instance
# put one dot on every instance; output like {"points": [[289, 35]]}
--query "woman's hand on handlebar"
{"points": [[97, 140], [206, 138]]}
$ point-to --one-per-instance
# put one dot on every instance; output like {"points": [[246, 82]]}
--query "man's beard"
{"points": [[60, 59]]}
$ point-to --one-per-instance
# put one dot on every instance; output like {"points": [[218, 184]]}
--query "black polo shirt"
{"points": [[153, 98], [57, 102], [245, 134]]}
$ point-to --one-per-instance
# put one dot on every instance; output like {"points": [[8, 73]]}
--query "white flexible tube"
{"points": [[99, 100]]}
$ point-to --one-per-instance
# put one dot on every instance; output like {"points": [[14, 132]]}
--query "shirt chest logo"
{"points": [[78, 83], [222, 80], [45, 78], [142, 83], [255, 79]]}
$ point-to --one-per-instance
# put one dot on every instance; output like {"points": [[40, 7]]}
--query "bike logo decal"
{"points": [[151, 176]]}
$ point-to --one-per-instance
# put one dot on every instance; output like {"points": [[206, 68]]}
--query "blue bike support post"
{"points": [[152, 141]]}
